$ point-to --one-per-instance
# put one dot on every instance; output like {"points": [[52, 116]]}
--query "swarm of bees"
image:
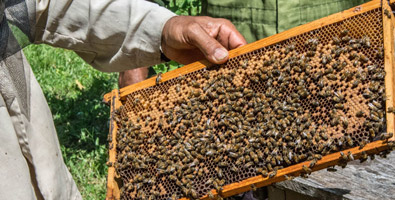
{"points": [[273, 110]]}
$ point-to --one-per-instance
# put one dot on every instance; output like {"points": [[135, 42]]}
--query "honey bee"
{"points": [[331, 169], [343, 156], [317, 156], [355, 45], [234, 169], [109, 164], [248, 164], [359, 114], [210, 195], [269, 167], [379, 76], [321, 83], [364, 157], [254, 79], [264, 173], [380, 53], [310, 53], [332, 77], [195, 84], [306, 169], [349, 141], [355, 83], [288, 178], [387, 13], [335, 121], [245, 63], [194, 194], [158, 78], [366, 41], [377, 104], [195, 93], [326, 59], [217, 187], [386, 136], [350, 156], [339, 106], [312, 163], [347, 75], [372, 133], [344, 32], [336, 40], [223, 164], [272, 174], [363, 58], [346, 38], [253, 187]]}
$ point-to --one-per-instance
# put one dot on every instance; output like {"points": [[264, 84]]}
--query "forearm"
{"points": [[132, 76]]}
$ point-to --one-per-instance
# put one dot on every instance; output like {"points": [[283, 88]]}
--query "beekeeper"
{"points": [[112, 36]]}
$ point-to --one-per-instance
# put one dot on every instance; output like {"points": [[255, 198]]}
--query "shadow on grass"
{"points": [[82, 129], [82, 120]]}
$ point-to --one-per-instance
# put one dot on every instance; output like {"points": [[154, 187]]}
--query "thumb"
{"points": [[210, 47]]}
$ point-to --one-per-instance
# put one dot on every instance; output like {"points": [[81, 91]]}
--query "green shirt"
{"points": [[257, 19]]}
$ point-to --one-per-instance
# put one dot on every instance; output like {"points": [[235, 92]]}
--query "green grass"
{"points": [[80, 117], [74, 91]]}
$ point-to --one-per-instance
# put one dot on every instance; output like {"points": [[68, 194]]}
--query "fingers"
{"points": [[185, 56], [210, 47], [229, 36], [236, 40], [213, 37]]}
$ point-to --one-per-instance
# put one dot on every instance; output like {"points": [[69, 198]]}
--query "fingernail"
{"points": [[220, 54]]}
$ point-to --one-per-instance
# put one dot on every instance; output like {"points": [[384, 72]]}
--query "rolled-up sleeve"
{"points": [[111, 35]]}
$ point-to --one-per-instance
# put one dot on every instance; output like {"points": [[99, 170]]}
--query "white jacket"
{"points": [[111, 35]]}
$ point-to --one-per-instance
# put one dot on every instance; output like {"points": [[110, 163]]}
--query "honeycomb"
{"points": [[300, 99]]}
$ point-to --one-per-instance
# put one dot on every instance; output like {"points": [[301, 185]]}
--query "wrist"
{"points": [[163, 57], [165, 37]]}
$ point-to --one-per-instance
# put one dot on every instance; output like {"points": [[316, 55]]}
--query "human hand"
{"points": [[186, 39]]}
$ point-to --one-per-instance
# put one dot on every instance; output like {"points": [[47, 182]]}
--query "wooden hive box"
{"points": [[146, 105]]}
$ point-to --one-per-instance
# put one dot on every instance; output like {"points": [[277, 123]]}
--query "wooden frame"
{"points": [[112, 184], [388, 31], [295, 170]]}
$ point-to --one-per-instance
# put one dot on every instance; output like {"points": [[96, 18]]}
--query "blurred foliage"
{"points": [[180, 7]]}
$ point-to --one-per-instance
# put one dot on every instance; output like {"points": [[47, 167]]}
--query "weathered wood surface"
{"points": [[360, 181]]}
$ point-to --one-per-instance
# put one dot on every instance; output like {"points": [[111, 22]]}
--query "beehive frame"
{"points": [[115, 99]]}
